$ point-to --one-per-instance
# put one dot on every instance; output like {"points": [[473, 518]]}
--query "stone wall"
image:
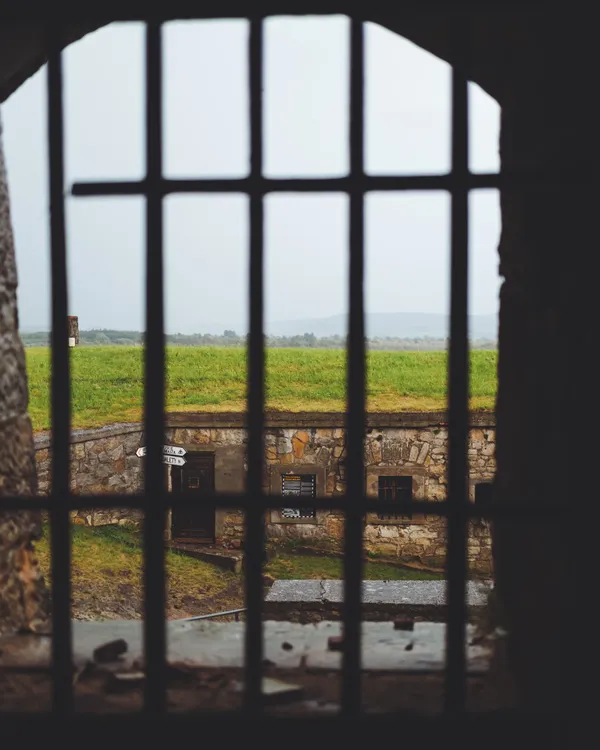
{"points": [[104, 461], [420, 452]]}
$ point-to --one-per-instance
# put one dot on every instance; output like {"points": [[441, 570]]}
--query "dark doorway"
{"points": [[196, 477]]}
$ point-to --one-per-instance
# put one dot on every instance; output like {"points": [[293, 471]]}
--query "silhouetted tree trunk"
{"points": [[23, 595]]}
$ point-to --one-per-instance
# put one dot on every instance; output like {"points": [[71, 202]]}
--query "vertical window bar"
{"points": [[254, 542], [458, 386], [61, 386], [154, 379], [351, 683]]}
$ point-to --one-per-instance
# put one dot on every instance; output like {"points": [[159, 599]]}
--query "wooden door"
{"points": [[197, 478]]}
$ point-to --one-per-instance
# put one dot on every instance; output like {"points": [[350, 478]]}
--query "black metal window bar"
{"points": [[254, 502]]}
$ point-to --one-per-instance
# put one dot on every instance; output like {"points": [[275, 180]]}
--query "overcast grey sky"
{"points": [[206, 134]]}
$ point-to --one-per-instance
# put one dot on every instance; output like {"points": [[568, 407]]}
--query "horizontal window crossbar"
{"points": [[368, 183], [442, 508], [179, 10]]}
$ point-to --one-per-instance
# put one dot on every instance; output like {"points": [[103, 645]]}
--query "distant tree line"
{"points": [[107, 337]]}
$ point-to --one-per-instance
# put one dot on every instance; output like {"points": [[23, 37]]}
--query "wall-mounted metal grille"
{"points": [[299, 485], [154, 500], [394, 490]]}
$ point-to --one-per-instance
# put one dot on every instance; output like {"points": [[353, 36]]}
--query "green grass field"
{"points": [[291, 567], [107, 575], [107, 382]]}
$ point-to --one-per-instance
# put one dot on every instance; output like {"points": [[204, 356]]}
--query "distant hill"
{"points": [[231, 339], [384, 331], [396, 325]]}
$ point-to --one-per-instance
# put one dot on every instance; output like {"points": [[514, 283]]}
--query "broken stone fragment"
{"points": [[110, 651], [122, 681], [275, 691]]}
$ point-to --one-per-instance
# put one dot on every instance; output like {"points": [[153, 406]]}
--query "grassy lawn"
{"points": [[107, 575], [289, 566], [107, 382]]}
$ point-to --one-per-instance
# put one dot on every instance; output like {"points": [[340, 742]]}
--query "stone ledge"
{"points": [[44, 439], [313, 600], [317, 419], [289, 420]]}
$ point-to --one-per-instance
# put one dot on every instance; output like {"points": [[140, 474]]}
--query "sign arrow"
{"points": [[174, 450], [173, 460], [168, 450]]}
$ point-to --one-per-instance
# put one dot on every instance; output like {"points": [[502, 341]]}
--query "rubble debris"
{"points": [[275, 691], [88, 670], [119, 682], [110, 651], [335, 643]]}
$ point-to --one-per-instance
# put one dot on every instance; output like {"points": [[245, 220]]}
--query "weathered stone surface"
{"points": [[298, 447], [297, 591], [373, 454], [23, 596], [201, 437], [423, 453], [375, 592], [284, 445]]}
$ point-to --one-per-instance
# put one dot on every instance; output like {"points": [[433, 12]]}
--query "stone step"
{"points": [[222, 558]]}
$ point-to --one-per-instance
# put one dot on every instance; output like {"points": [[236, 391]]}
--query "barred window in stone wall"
{"points": [[393, 490]]}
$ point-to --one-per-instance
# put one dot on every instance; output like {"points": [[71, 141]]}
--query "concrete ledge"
{"points": [[287, 645], [322, 419], [313, 601]]}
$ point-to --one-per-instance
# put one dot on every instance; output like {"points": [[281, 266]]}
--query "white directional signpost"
{"points": [[173, 460], [174, 450], [172, 454]]}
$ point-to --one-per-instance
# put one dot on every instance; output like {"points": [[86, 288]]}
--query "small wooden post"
{"points": [[73, 330]]}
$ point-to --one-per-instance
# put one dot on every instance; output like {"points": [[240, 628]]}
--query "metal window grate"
{"points": [[154, 498], [392, 490]]}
